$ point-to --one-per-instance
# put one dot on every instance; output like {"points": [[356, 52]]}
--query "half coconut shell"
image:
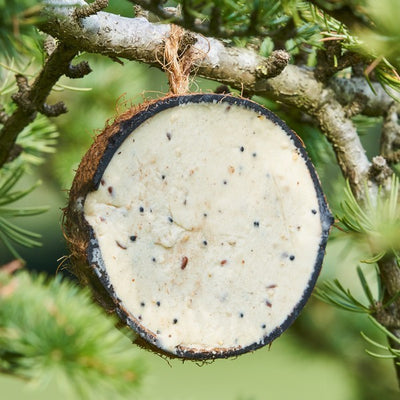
{"points": [[201, 222]]}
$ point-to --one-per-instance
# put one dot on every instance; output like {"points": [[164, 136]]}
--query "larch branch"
{"points": [[241, 68], [31, 99]]}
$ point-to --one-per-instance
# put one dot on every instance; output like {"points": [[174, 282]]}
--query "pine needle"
{"points": [[51, 331], [376, 224]]}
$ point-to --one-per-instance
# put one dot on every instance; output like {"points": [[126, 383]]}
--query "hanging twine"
{"points": [[179, 57]]}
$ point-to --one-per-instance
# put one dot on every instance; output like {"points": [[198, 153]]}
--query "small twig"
{"points": [[116, 59], [254, 16], [379, 171], [78, 70], [53, 110], [331, 60], [386, 318], [326, 60], [90, 9], [273, 65], [22, 96], [215, 21], [390, 275], [31, 99], [222, 89], [394, 157], [187, 18], [390, 138], [356, 106]]}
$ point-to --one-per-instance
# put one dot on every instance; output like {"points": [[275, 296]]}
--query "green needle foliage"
{"points": [[11, 233], [16, 25], [335, 294], [382, 63], [329, 28], [38, 138], [35, 140], [239, 18], [375, 224], [51, 330], [388, 351], [385, 38]]}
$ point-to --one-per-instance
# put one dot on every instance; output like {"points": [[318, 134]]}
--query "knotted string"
{"points": [[179, 57]]}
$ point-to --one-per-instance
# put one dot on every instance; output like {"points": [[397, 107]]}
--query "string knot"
{"points": [[179, 57]]}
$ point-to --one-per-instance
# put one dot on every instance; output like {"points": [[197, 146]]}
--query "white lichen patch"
{"points": [[208, 224]]}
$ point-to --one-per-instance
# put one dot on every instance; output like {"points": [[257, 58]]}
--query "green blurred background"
{"points": [[321, 356]]}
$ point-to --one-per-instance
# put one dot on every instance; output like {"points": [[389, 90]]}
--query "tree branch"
{"points": [[78, 70], [376, 101], [137, 39], [90, 9], [390, 275], [32, 99], [390, 139]]}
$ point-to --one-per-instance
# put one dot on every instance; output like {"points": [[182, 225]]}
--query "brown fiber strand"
{"points": [[179, 57]]}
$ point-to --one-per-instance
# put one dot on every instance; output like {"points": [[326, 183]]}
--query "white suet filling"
{"points": [[208, 224]]}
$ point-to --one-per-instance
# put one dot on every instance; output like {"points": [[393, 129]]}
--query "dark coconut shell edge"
{"points": [[85, 261]]}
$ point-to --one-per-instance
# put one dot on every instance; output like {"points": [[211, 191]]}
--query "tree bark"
{"points": [[32, 99]]}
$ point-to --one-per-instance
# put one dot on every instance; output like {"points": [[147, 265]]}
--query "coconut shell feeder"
{"points": [[200, 221]]}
